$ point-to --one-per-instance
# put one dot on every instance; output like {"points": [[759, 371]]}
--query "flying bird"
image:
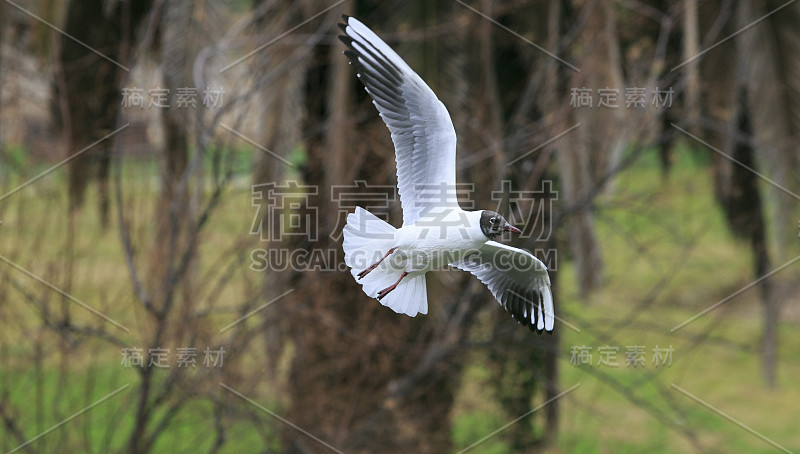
{"points": [[391, 263]]}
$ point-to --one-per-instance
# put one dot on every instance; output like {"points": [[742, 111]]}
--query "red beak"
{"points": [[512, 229]]}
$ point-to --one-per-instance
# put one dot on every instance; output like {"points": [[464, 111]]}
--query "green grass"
{"points": [[110, 422]]}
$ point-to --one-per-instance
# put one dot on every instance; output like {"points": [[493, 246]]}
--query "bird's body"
{"points": [[430, 247], [391, 263], [422, 248], [412, 249]]}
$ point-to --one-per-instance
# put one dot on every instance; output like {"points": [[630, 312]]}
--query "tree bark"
{"points": [[88, 86]]}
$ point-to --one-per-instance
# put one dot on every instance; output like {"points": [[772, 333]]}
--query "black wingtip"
{"points": [[343, 25], [533, 326], [346, 40]]}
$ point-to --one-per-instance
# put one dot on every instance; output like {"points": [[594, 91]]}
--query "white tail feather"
{"points": [[366, 240], [549, 312], [410, 297]]}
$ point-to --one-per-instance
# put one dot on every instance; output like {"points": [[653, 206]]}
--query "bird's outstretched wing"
{"points": [[422, 131], [517, 279]]}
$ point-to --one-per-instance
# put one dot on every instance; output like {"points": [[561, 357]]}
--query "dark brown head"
{"points": [[494, 225]]}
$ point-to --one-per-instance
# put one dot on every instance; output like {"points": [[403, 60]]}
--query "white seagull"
{"points": [[391, 263]]}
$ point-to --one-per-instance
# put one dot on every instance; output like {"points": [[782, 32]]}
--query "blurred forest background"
{"points": [[650, 148]]}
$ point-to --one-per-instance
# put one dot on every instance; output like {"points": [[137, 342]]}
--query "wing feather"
{"points": [[517, 279], [421, 128]]}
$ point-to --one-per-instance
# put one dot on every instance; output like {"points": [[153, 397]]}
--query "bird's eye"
{"points": [[493, 220]]}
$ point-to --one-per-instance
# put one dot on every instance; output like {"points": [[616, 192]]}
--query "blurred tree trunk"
{"points": [[281, 104], [757, 116], [691, 47], [769, 116], [574, 158], [746, 215], [87, 93], [719, 103], [184, 29], [393, 381], [605, 136], [773, 55], [88, 87], [491, 115], [282, 114], [3, 27], [555, 90], [178, 47], [666, 137], [522, 366], [513, 381]]}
